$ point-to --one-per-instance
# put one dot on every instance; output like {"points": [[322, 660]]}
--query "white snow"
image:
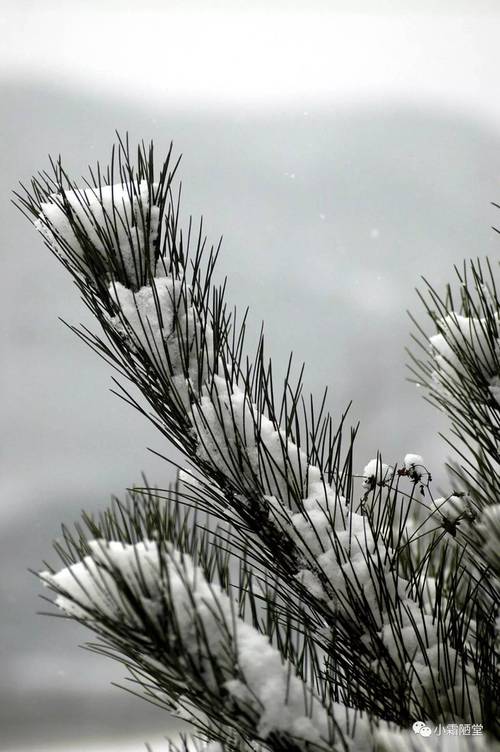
{"points": [[164, 324], [114, 218], [88, 588], [233, 435], [376, 472], [411, 461], [260, 679], [414, 466], [342, 544], [232, 432], [461, 333], [450, 507]]}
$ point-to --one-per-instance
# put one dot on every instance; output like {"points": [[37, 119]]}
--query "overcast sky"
{"points": [[261, 54]]}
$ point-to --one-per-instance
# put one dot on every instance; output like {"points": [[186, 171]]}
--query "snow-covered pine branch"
{"points": [[377, 615], [459, 365], [189, 638], [461, 371]]}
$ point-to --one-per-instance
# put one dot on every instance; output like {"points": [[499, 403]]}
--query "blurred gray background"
{"points": [[342, 149]]}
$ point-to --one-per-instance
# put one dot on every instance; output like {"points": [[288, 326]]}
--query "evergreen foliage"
{"points": [[272, 597]]}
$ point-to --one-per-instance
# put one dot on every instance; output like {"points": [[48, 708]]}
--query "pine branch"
{"points": [[185, 644], [375, 608]]}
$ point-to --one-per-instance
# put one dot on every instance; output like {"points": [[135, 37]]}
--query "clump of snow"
{"points": [[376, 473], [411, 461], [163, 324], [418, 649], [354, 582], [343, 546], [88, 588], [414, 465], [243, 442], [461, 339], [259, 678], [311, 582], [115, 219], [451, 507]]}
